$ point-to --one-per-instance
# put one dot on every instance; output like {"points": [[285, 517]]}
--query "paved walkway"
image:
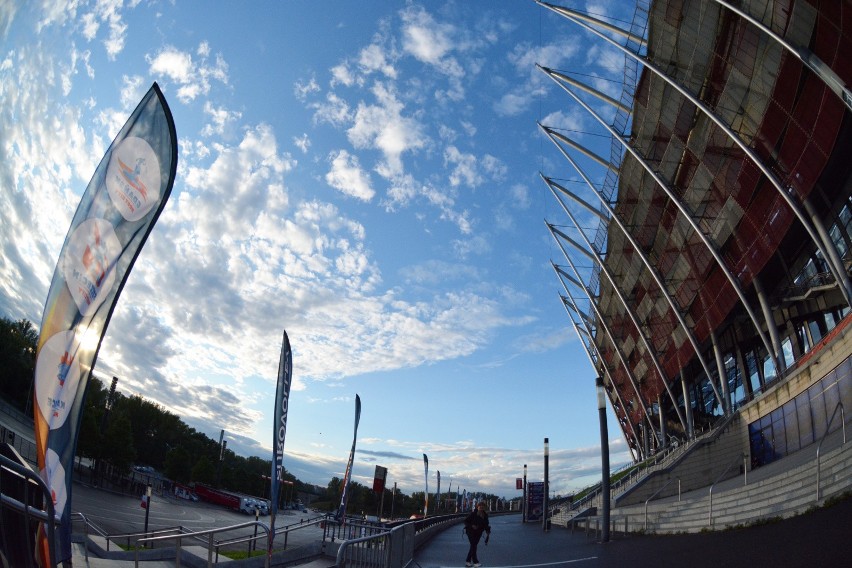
{"points": [[822, 538]]}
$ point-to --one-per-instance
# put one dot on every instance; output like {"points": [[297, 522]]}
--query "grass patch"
{"points": [[241, 554]]}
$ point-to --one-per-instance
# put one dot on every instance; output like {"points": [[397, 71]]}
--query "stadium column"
{"points": [[723, 375], [827, 250]]}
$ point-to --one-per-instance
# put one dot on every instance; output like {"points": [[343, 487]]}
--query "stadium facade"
{"points": [[717, 284]]}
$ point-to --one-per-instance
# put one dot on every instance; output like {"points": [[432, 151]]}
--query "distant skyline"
{"points": [[363, 175]]}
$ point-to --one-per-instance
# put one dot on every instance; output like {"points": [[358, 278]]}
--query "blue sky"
{"points": [[364, 175]]}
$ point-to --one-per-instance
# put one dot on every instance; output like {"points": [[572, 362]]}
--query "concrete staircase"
{"points": [[781, 489]]}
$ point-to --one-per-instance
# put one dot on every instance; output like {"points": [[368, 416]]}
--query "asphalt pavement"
{"points": [[817, 539]]}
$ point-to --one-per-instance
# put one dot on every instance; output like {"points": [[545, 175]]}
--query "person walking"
{"points": [[475, 524]]}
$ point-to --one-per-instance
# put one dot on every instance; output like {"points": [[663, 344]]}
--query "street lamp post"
{"points": [[147, 509], [604, 459], [546, 520], [524, 502]]}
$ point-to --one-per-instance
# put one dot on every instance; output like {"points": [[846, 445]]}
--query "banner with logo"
{"points": [[535, 500], [116, 213], [344, 495], [282, 398], [426, 493]]}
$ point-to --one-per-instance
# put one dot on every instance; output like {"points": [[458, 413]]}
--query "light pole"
{"points": [[604, 459], [545, 521], [524, 497], [147, 509]]}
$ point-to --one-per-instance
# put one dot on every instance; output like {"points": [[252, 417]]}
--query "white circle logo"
{"points": [[133, 178], [89, 262], [54, 476], [57, 375]]}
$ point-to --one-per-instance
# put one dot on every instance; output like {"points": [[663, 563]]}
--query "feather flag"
{"points": [[344, 496], [282, 399], [426, 493], [116, 213]]}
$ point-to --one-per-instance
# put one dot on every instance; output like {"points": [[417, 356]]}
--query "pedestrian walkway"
{"points": [[821, 538]]}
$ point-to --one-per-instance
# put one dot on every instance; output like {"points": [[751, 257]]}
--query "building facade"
{"points": [[720, 280]]}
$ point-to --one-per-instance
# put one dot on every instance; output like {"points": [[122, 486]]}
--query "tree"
{"points": [[203, 471], [18, 343], [177, 465], [118, 448]]}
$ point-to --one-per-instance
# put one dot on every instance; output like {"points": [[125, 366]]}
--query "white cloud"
{"points": [[385, 128], [220, 119], [334, 111], [193, 78], [347, 176], [302, 142]]}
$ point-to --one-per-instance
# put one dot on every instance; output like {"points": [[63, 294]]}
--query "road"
{"points": [[119, 514]]}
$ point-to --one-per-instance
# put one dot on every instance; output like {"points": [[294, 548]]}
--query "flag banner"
{"points": [[282, 398], [379, 479], [116, 213], [438, 493], [344, 495], [426, 493]]}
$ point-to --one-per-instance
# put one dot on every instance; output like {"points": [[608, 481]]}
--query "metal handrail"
{"points": [[195, 535], [47, 515], [657, 493], [735, 462], [340, 560], [827, 430]]}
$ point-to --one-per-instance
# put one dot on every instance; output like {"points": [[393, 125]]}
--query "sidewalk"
{"points": [[821, 538]]}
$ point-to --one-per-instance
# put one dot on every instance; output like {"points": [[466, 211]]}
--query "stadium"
{"points": [[713, 297]]}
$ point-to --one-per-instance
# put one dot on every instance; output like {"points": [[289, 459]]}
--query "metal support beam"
{"points": [[644, 257], [687, 214], [839, 272], [579, 283], [595, 257]]}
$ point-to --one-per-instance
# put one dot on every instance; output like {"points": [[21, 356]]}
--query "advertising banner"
{"points": [[426, 493], [116, 213], [535, 500], [344, 495], [282, 398]]}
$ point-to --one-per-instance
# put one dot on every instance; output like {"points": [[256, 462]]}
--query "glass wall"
{"points": [[803, 420]]}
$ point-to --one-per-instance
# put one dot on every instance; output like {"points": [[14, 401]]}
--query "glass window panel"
{"points": [[805, 422], [816, 332], [768, 369], [838, 240], [753, 374], [844, 386], [791, 426], [832, 398], [817, 409], [830, 320], [804, 340], [787, 349]]}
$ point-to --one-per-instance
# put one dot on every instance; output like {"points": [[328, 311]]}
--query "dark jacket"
{"points": [[476, 525]]}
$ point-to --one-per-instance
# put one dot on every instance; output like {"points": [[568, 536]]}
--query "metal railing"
{"points": [[744, 459], [394, 547], [24, 491], [657, 492], [197, 536], [827, 431]]}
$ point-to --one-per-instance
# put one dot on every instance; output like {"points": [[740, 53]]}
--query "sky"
{"points": [[363, 175]]}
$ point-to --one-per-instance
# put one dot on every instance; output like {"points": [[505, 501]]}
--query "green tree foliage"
{"points": [[134, 430], [18, 342], [178, 466], [118, 448]]}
